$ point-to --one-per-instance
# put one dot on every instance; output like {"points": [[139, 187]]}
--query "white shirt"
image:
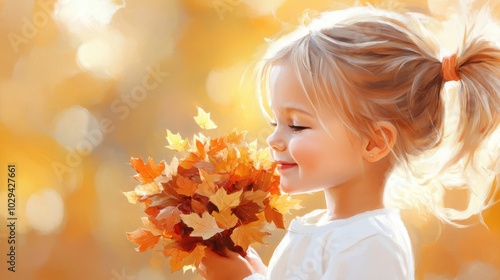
{"points": [[371, 245]]}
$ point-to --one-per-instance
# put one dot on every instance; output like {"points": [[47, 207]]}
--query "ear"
{"points": [[382, 141]]}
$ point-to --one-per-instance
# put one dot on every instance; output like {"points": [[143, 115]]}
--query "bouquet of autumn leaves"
{"points": [[221, 194]]}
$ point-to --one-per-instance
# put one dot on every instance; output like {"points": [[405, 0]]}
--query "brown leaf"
{"points": [[247, 212], [274, 216]]}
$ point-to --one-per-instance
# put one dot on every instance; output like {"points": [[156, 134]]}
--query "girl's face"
{"points": [[310, 156]]}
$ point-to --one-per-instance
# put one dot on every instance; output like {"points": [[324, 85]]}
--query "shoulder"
{"points": [[379, 256], [380, 226], [383, 250]]}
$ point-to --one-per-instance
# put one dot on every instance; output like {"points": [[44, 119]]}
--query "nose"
{"points": [[276, 142]]}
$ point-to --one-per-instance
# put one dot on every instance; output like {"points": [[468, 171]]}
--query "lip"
{"points": [[282, 165]]}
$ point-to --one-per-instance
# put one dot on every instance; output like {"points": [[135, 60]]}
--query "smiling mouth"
{"points": [[285, 166]]}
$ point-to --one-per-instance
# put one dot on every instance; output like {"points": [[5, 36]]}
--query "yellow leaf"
{"points": [[175, 142], [207, 186], [148, 189], [284, 203], [224, 201], [245, 235], [132, 197], [225, 219], [203, 120], [262, 159], [256, 196], [204, 226], [171, 170]]}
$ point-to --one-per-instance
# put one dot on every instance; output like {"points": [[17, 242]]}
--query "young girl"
{"points": [[352, 95]]}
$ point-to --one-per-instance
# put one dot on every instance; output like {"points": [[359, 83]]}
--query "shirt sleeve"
{"points": [[376, 257]]}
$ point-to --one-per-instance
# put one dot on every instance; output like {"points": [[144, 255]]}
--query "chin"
{"points": [[287, 188]]}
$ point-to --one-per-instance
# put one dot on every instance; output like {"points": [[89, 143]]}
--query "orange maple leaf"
{"points": [[235, 137], [274, 216], [257, 196], [177, 256], [194, 258], [245, 235], [168, 217], [185, 186], [284, 203], [147, 172], [224, 201], [144, 238], [225, 219]]}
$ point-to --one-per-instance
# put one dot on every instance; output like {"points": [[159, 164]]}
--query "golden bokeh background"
{"points": [[86, 84]]}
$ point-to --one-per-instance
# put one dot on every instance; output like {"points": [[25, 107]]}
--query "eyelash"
{"points": [[294, 128]]}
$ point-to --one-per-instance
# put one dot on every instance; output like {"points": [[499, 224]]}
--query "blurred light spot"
{"points": [[478, 270], [103, 56], [223, 84], [45, 211], [263, 7], [151, 274], [78, 15], [78, 130]]}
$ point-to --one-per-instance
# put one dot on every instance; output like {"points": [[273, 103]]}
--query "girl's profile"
{"points": [[351, 96]]}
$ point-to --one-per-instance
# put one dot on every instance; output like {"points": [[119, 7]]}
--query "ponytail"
{"points": [[467, 160], [478, 72]]}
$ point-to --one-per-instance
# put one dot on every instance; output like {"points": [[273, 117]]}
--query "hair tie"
{"points": [[449, 68]]}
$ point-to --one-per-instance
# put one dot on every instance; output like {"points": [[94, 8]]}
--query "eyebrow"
{"points": [[292, 109]]}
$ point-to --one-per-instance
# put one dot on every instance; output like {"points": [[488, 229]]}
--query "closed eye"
{"points": [[297, 128]]}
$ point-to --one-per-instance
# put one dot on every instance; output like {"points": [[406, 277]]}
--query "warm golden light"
{"points": [[45, 211], [87, 84]]}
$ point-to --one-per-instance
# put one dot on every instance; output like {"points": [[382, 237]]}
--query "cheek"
{"points": [[306, 153]]}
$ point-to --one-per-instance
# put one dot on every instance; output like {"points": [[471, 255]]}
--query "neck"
{"points": [[357, 196]]}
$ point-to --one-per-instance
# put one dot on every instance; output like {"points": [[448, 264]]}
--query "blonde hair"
{"points": [[370, 65]]}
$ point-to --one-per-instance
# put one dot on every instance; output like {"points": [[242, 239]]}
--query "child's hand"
{"points": [[232, 267], [255, 261]]}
